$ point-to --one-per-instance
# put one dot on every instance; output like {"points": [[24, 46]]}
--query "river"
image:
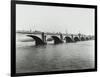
{"points": [[50, 57]]}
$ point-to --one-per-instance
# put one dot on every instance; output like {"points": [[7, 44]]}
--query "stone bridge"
{"points": [[42, 38]]}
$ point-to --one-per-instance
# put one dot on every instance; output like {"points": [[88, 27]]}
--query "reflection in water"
{"points": [[66, 56]]}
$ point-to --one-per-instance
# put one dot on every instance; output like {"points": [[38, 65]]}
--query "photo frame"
{"points": [[21, 13]]}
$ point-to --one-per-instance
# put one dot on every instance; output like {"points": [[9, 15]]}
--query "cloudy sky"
{"points": [[55, 19]]}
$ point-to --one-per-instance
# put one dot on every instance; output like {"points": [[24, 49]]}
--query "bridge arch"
{"points": [[57, 40], [68, 39], [82, 39], [38, 41], [87, 38], [76, 39]]}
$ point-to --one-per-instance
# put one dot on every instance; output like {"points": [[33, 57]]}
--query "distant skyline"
{"points": [[55, 19]]}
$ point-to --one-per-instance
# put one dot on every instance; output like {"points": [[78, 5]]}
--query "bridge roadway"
{"points": [[58, 37]]}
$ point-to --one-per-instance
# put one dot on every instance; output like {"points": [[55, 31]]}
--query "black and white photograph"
{"points": [[54, 38]]}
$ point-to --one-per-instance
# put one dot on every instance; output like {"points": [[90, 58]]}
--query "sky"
{"points": [[55, 19]]}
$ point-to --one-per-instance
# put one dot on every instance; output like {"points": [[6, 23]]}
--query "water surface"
{"points": [[50, 57]]}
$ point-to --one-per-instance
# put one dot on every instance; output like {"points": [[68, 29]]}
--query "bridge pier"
{"points": [[43, 37], [61, 37], [72, 37], [79, 36]]}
